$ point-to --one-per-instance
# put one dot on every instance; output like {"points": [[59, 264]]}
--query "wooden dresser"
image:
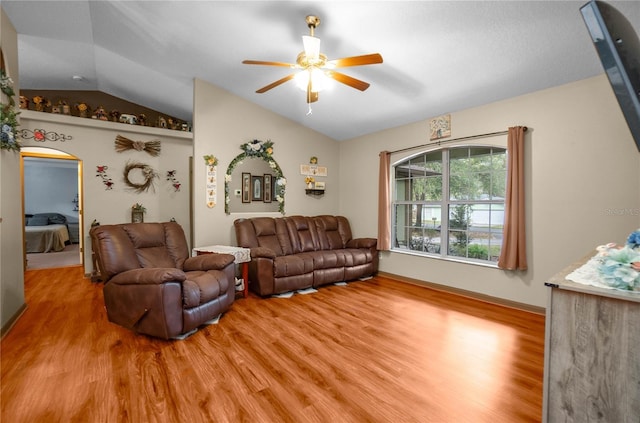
{"points": [[592, 353]]}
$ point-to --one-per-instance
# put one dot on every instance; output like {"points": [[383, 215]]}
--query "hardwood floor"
{"points": [[372, 351]]}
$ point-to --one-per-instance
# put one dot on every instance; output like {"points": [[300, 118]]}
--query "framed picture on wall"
{"points": [[246, 187], [256, 188], [137, 216], [267, 187]]}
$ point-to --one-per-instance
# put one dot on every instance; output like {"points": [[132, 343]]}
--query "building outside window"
{"points": [[450, 203]]}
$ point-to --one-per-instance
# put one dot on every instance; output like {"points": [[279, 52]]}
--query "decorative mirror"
{"points": [[254, 181]]}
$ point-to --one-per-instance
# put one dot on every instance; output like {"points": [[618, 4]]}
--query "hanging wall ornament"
{"points": [[124, 144], [211, 179], [171, 176], [101, 172], [139, 176], [40, 135]]}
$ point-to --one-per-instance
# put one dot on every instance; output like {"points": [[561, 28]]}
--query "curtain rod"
{"points": [[470, 137]]}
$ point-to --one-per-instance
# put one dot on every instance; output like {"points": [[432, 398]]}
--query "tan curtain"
{"points": [[384, 225], [514, 254]]}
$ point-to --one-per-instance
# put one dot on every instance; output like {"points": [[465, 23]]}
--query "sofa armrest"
{"points": [[149, 276], [208, 262], [262, 252], [362, 243]]}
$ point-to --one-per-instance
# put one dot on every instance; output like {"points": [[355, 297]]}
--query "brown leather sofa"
{"points": [[152, 286], [299, 252]]}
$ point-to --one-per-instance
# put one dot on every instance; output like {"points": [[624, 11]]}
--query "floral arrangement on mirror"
{"points": [[619, 266], [8, 116]]}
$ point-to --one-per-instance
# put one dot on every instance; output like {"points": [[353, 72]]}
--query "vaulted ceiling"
{"points": [[439, 56]]}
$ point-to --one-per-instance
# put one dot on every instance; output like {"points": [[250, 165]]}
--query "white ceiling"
{"points": [[439, 56]]}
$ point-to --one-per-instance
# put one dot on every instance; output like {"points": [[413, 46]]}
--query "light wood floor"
{"points": [[372, 351]]}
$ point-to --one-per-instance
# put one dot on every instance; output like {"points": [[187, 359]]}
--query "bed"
{"points": [[46, 232]]}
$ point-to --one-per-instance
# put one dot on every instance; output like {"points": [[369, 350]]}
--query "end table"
{"points": [[242, 256]]}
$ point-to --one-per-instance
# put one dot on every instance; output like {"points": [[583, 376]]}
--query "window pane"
{"points": [[402, 189], [499, 185], [416, 166]]}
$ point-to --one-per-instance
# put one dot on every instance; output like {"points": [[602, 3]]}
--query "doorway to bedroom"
{"points": [[52, 205]]}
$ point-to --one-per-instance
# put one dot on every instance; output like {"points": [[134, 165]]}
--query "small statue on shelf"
{"points": [[100, 114], [39, 103], [24, 102], [115, 116], [83, 109]]}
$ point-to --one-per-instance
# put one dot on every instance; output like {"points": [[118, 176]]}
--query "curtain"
{"points": [[514, 255], [384, 225]]}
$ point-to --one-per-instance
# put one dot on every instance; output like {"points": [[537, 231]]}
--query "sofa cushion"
{"points": [[302, 233], [292, 265]]}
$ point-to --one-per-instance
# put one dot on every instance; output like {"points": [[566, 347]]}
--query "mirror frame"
{"points": [[257, 149]]}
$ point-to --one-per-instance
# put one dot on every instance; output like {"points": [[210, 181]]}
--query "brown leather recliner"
{"points": [[153, 286]]}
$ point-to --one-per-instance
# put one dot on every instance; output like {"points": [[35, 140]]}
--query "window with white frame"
{"points": [[450, 203]]}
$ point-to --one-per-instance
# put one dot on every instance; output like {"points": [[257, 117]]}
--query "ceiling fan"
{"points": [[312, 66]]}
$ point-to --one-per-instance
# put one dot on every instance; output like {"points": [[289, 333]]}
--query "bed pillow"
{"points": [[38, 221], [56, 218]]}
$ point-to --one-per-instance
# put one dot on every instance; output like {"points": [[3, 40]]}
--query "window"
{"points": [[450, 203]]}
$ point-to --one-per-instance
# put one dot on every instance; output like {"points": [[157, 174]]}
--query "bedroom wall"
{"points": [[93, 142], [50, 186], [11, 258], [582, 173]]}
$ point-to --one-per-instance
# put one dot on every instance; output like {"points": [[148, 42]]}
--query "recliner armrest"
{"points": [[149, 276], [362, 243], [262, 252], [208, 262]]}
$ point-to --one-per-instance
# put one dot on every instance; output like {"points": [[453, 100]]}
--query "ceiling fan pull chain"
{"points": [[310, 111]]}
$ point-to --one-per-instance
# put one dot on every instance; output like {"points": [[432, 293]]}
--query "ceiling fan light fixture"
{"points": [[319, 80], [311, 48]]}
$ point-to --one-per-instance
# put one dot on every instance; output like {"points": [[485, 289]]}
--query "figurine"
{"points": [[83, 109], [38, 103], [115, 116], [100, 114], [24, 102]]}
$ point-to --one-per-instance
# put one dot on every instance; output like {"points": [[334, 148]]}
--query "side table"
{"points": [[242, 256]]}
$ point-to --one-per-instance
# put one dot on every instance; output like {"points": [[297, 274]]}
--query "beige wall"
{"points": [[93, 143], [222, 122], [11, 276], [583, 185]]}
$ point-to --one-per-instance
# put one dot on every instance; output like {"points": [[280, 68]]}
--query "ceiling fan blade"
{"points": [[348, 80], [260, 62], [367, 59], [276, 83]]}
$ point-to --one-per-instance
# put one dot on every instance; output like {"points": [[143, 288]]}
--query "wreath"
{"points": [[8, 115], [147, 173]]}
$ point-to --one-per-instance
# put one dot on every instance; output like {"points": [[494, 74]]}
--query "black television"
{"points": [[618, 46]]}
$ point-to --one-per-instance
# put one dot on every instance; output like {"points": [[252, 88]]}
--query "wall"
{"points": [[93, 143], [50, 186], [222, 122], [582, 179], [11, 275]]}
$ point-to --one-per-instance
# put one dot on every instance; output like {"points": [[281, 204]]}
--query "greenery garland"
{"points": [[147, 172], [8, 116], [261, 150]]}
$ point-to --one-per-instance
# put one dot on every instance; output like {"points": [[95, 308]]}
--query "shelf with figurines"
{"points": [[82, 109]]}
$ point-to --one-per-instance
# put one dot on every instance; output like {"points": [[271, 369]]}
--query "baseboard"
{"points": [[470, 294], [7, 326]]}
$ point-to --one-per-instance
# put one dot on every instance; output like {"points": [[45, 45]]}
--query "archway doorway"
{"points": [[52, 207]]}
